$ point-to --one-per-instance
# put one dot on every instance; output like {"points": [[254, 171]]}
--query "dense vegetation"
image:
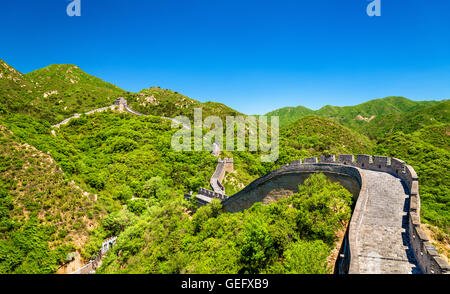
{"points": [[65, 89], [289, 115], [321, 136], [294, 235], [115, 173], [432, 164], [54, 93], [163, 102], [355, 117], [436, 115], [43, 216]]}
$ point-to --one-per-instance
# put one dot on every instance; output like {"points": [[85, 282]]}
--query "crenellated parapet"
{"points": [[96, 261], [205, 196], [349, 166]]}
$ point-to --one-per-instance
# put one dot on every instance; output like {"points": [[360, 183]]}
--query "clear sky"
{"points": [[252, 55]]}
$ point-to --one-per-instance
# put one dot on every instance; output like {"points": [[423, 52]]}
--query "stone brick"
{"points": [[398, 166], [413, 203], [415, 219]]}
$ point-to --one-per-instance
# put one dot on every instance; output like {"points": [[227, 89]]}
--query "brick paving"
{"points": [[383, 238]]}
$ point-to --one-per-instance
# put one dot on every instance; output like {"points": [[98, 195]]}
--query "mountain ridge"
{"points": [[355, 116]]}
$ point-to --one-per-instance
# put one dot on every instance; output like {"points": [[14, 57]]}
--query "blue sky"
{"points": [[252, 55]]}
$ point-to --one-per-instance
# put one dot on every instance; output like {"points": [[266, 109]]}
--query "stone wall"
{"points": [[284, 182], [345, 169], [426, 255], [95, 262], [77, 115], [223, 166]]}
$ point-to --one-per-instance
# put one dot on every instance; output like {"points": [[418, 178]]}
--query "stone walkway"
{"points": [[383, 238]]}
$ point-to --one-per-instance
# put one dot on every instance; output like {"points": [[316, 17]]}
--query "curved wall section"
{"points": [[349, 172], [284, 182]]}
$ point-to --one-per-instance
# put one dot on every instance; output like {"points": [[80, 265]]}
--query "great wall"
{"points": [[96, 261], [121, 105], [384, 235]]}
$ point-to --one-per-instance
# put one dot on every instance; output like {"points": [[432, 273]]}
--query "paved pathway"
{"points": [[383, 238]]}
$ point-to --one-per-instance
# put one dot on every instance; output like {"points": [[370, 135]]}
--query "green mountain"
{"points": [[65, 90], [314, 136], [53, 93], [14, 89], [115, 174], [61, 90], [409, 122], [357, 117], [43, 215], [290, 114], [164, 102]]}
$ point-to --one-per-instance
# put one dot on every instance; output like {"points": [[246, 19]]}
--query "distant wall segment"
{"points": [[225, 165]]}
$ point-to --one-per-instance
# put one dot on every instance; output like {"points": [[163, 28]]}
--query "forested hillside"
{"points": [[164, 102], [53, 93], [356, 117], [65, 89], [278, 238], [115, 174], [43, 214], [289, 115], [436, 115]]}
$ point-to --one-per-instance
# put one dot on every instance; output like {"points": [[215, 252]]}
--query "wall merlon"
{"points": [[363, 160], [443, 265], [296, 162], [430, 249], [414, 201], [346, 158], [414, 188], [384, 161], [412, 172], [328, 158], [421, 234], [415, 219], [311, 160], [413, 204], [397, 162]]}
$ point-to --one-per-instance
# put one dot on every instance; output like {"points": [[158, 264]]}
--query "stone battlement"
{"points": [[96, 261], [344, 166], [211, 194], [225, 165]]}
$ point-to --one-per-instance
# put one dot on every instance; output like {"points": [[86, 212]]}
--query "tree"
{"points": [[123, 193], [137, 206], [256, 246], [155, 187], [305, 257]]}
